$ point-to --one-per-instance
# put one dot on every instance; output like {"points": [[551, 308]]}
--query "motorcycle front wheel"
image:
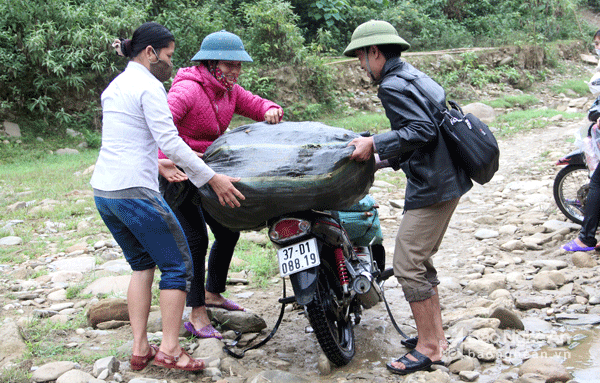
{"points": [[571, 187], [334, 332]]}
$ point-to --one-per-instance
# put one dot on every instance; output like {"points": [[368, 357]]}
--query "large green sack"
{"points": [[284, 168]]}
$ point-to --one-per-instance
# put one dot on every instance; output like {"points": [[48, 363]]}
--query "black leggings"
{"points": [[587, 235], [193, 220]]}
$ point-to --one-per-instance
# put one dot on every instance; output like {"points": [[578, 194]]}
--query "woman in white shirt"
{"points": [[136, 122]]}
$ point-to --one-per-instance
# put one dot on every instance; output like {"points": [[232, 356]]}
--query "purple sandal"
{"points": [[228, 305], [573, 246], [207, 331]]}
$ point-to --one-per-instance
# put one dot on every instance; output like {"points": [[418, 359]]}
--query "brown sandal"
{"points": [[138, 362], [167, 361]]}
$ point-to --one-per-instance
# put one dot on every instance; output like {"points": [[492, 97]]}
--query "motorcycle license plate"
{"points": [[297, 257]]}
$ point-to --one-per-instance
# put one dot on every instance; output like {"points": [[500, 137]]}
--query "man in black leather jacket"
{"points": [[434, 183]]}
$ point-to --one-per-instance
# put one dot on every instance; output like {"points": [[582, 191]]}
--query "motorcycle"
{"points": [[335, 263], [571, 185]]}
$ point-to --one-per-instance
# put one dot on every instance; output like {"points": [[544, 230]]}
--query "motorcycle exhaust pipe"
{"points": [[368, 292]]}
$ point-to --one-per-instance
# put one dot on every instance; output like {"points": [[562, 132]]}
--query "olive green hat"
{"points": [[374, 32]]}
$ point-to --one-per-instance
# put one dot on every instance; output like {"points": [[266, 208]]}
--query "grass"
{"points": [[520, 101], [260, 261], [47, 183], [359, 122], [15, 375], [524, 120], [578, 86], [41, 338]]}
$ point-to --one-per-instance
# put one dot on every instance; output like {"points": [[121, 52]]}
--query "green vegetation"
{"points": [[519, 101], [40, 338], [579, 86], [55, 56], [15, 375], [259, 261], [523, 120]]}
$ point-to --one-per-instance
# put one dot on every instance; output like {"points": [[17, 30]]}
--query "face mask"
{"points": [[598, 52], [218, 74], [161, 69]]}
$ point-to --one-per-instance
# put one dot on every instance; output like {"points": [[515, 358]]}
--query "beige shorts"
{"points": [[419, 237]]}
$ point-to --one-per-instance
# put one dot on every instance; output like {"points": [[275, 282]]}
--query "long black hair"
{"points": [[149, 33]]}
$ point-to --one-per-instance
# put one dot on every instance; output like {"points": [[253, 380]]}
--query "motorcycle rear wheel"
{"points": [[334, 333], [571, 186]]}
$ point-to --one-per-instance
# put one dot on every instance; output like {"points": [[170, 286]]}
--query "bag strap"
{"points": [[413, 80]]}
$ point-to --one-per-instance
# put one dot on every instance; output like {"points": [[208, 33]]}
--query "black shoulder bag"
{"points": [[470, 141]]}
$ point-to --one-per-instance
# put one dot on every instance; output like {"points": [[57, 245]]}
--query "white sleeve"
{"points": [[160, 122]]}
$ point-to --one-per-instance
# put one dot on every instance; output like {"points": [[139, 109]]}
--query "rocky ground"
{"points": [[515, 306]]}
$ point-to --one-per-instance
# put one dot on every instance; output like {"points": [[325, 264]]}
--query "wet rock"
{"points": [[487, 283], [76, 376], [11, 240], [52, 371], [107, 310], [578, 319], [465, 327], [58, 295], [533, 302], [278, 376], [13, 345], [467, 363], [485, 112], [81, 264], [468, 376], [239, 320], [479, 349], [583, 260], [109, 285], [532, 378], [324, 365], [209, 348], [11, 129], [508, 319], [549, 264], [551, 368], [486, 234]]}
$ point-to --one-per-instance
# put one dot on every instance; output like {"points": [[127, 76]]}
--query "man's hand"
{"points": [[273, 115], [167, 169], [363, 148], [227, 193]]}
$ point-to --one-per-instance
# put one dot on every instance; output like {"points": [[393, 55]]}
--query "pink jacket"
{"points": [[202, 108]]}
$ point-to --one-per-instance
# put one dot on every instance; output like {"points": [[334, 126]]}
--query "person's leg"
{"points": [[419, 237], [139, 298], [587, 235], [219, 259], [190, 217], [139, 292]]}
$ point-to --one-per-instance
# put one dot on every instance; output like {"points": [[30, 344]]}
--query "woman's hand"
{"points": [[273, 115], [170, 171], [363, 148], [227, 193]]}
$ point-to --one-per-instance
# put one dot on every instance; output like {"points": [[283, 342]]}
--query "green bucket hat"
{"points": [[374, 32]]}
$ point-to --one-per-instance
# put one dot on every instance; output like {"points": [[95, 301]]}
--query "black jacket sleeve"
{"points": [[411, 125]]}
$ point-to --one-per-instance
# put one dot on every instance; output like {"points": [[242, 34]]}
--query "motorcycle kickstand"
{"points": [[284, 301]]}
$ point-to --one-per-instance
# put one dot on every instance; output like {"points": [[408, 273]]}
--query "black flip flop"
{"points": [[423, 362]]}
